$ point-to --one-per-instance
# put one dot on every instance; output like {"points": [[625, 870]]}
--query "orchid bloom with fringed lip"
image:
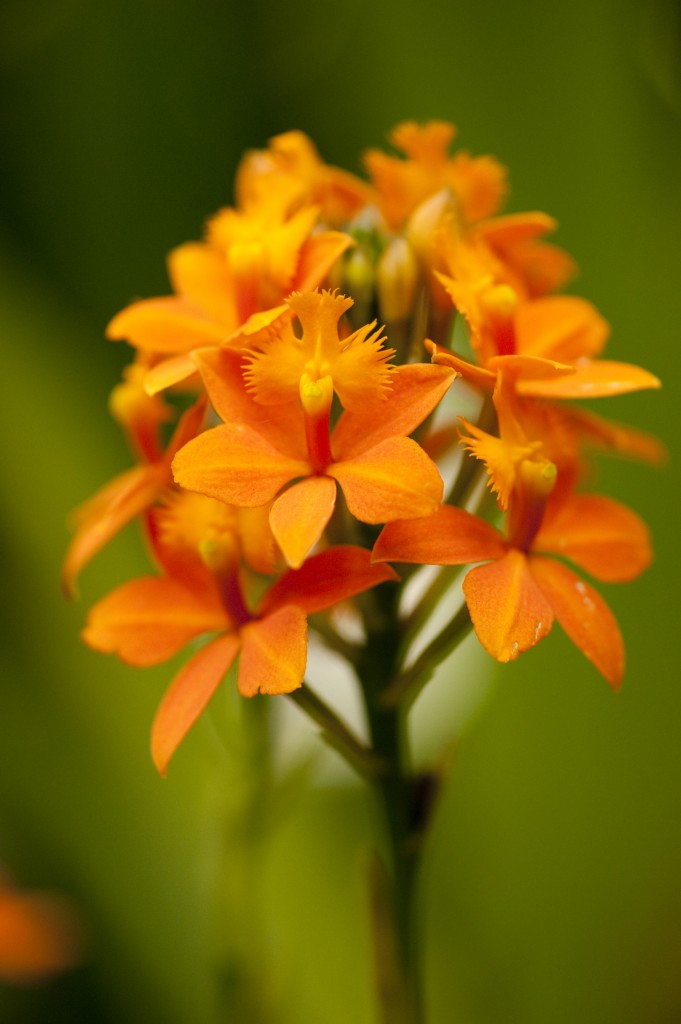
{"points": [[277, 429], [477, 184], [99, 519], [553, 340], [292, 165], [516, 241], [514, 599], [229, 285], [201, 544]]}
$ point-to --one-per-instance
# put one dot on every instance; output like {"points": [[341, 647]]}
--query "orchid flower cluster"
{"points": [[352, 379]]}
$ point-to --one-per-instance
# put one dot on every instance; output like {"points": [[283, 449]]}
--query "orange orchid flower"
{"points": [[129, 495], [478, 184], [516, 240], [148, 620], [248, 460], [280, 364], [515, 597], [513, 600], [230, 285], [553, 341], [292, 166]]}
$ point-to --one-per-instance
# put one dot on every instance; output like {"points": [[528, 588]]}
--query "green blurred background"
{"points": [[552, 886]]}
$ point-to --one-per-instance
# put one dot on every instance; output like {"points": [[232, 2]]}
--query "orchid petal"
{"points": [[394, 480], [257, 321], [299, 516], [317, 256], [599, 378], [148, 620], [509, 611], [200, 274], [600, 535], [415, 390], [619, 438], [529, 368], [451, 536], [168, 372], [236, 465], [476, 375], [584, 616], [561, 327], [222, 373], [325, 579], [188, 695], [167, 325], [274, 653], [107, 512], [511, 228]]}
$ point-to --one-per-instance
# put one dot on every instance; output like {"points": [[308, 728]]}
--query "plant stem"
{"points": [[336, 733], [407, 686], [393, 889]]}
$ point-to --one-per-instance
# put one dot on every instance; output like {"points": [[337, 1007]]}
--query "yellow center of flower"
{"points": [[282, 363], [201, 527]]}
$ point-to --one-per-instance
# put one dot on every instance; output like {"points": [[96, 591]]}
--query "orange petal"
{"points": [[222, 375], [200, 274], [167, 325], [451, 536], [516, 237], [257, 321], [509, 612], [257, 542], [475, 375], [148, 620], [619, 438], [529, 368], [188, 695], [274, 653], [584, 616], [107, 512], [510, 228], [561, 327], [325, 579], [188, 426], [598, 379], [168, 372], [394, 480], [415, 390], [598, 534], [236, 465], [317, 256], [285, 246], [299, 516]]}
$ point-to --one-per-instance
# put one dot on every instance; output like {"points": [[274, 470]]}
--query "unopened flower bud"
{"points": [[426, 218], [397, 275], [359, 281]]}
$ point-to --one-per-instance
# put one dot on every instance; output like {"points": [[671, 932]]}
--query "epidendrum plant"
{"points": [[317, 460]]}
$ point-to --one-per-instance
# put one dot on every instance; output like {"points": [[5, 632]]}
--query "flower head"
{"points": [[203, 592]]}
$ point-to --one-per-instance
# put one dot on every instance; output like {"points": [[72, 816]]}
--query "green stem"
{"points": [[333, 640], [414, 622], [336, 733], [393, 890], [411, 681], [398, 966]]}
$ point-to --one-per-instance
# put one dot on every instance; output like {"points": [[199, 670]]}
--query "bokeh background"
{"points": [[552, 886]]}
